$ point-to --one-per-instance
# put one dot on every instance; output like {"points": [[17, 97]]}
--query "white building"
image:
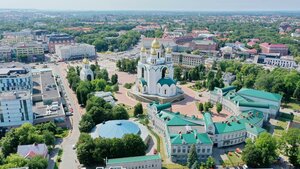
{"points": [[155, 72], [15, 108], [187, 60], [73, 51], [15, 77], [138, 162], [107, 96], [284, 61], [86, 73]]}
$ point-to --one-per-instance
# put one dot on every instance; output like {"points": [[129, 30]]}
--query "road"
{"points": [[69, 158]]}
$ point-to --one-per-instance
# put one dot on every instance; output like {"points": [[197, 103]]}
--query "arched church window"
{"points": [[165, 91], [164, 72], [143, 71]]}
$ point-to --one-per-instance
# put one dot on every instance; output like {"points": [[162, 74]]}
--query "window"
{"points": [[203, 150], [165, 91]]}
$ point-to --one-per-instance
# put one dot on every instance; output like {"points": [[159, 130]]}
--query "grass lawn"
{"points": [[280, 126], [174, 166], [235, 159], [293, 104]]}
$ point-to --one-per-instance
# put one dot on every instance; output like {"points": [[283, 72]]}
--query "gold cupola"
{"points": [[143, 49], [155, 44], [169, 50], [85, 61], [153, 52]]}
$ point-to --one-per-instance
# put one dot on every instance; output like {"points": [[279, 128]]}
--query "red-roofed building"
{"points": [[251, 43], [274, 48]]}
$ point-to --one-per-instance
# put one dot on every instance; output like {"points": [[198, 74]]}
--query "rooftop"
{"points": [[12, 95], [260, 94], [133, 159], [190, 138]]}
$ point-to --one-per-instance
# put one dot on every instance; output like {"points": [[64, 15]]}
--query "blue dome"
{"points": [[117, 128]]}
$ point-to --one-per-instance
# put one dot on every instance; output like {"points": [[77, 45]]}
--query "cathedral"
{"points": [[155, 74]]}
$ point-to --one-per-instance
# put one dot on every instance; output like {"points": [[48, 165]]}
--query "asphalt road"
{"points": [[69, 158]]}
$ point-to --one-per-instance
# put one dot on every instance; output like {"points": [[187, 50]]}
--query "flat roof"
{"points": [[133, 159], [48, 85], [12, 95]]}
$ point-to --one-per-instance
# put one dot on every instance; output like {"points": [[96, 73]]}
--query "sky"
{"points": [[166, 5]]}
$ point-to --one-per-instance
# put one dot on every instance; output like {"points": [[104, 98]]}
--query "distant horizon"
{"points": [[154, 5], [148, 10]]}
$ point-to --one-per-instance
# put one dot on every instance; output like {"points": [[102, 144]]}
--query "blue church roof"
{"points": [[116, 128], [166, 81], [143, 81]]}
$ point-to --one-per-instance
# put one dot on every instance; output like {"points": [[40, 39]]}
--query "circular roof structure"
{"points": [[116, 129]]}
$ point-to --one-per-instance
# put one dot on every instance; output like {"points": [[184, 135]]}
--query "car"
{"points": [[73, 146], [69, 114]]}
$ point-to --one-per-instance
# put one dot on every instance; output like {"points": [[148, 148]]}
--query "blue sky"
{"points": [[182, 5]]}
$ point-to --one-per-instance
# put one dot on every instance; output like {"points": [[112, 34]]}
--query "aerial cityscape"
{"points": [[137, 84]]}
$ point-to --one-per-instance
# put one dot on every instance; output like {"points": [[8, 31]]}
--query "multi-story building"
{"points": [[74, 51], [5, 53], [58, 39], [15, 77], [276, 60], [247, 99], [15, 108], [204, 45], [148, 161], [32, 51], [274, 48], [187, 60], [284, 61], [181, 131]]}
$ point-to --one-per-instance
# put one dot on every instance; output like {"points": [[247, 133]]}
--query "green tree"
{"points": [[138, 109], [195, 165], [134, 145], [15, 160], [115, 88], [290, 146], [49, 138], [114, 79], [210, 162], [200, 107], [85, 149], [119, 112], [177, 73], [108, 88], [296, 93], [82, 91], [262, 152], [37, 162], [86, 123], [192, 156], [99, 84], [219, 107]]}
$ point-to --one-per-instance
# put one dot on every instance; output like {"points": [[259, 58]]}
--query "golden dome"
{"points": [[153, 52], [155, 44], [85, 61], [169, 50], [143, 49]]}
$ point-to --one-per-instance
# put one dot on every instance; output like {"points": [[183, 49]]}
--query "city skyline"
{"points": [[166, 5]]}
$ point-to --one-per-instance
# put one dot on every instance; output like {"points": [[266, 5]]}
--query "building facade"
{"points": [[139, 162], [5, 53], [274, 48], [181, 132], [155, 72], [58, 39], [187, 60], [15, 108], [284, 61], [74, 51], [15, 78], [29, 50], [247, 99]]}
